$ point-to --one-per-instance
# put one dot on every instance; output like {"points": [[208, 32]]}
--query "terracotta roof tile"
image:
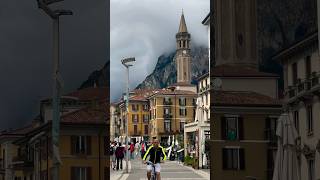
{"points": [[243, 98], [88, 115]]}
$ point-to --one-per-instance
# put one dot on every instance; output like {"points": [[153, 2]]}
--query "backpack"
{"points": [[119, 152], [111, 150]]}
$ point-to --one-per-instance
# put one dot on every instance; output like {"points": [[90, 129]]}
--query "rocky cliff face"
{"points": [[99, 78], [165, 71], [280, 23]]}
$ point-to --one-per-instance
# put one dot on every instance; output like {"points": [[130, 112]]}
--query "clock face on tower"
{"points": [[184, 52]]}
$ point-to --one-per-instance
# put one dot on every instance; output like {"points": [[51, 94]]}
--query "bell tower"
{"points": [[183, 53], [235, 35]]}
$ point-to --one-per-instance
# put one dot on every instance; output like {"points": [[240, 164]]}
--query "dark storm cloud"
{"points": [[146, 29], [26, 54]]}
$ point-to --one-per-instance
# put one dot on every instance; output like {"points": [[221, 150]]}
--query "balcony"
{"points": [[167, 116], [271, 136], [167, 103], [22, 163]]}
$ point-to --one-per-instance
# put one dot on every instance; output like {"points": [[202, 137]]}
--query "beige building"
{"points": [[302, 91], [170, 109], [245, 102], [197, 132], [114, 121]]}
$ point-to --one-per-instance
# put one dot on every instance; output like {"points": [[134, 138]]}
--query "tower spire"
{"points": [[183, 26]]}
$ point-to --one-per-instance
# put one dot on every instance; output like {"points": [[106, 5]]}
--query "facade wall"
{"points": [[265, 86], [307, 97], [157, 122]]}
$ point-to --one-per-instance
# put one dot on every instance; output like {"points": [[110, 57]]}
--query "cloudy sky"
{"points": [[26, 54], [145, 29]]}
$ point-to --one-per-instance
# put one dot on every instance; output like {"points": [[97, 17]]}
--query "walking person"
{"points": [[143, 149], [136, 149], [113, 155], [132, 150], [120, 151]]}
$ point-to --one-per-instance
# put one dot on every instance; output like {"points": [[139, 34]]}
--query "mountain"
{"points": [[279, 24], [164, 73], [99, 78]]}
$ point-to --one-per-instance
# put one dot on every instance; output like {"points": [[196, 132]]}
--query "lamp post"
{"points": [[57, 83], [126, 62]]}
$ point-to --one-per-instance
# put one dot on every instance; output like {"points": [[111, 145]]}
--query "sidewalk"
{"points": [[120, 174], [205, 173]]}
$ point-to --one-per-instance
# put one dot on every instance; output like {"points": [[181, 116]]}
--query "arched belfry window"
{"points": [[180, 44], [184, 44]]}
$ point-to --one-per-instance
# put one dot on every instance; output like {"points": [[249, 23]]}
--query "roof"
{"points": [[87, 115], [18, 132], [243, 98], [297, 46], [238, 71], [206, 19], [175, 92], [180, 84], [183, 26]]}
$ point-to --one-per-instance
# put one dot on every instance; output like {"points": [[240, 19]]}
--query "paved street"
{"points": [[170, 170]]}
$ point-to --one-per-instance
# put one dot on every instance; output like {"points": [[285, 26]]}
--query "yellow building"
{"points": [[138, 125], [26, 154], [83, 148], [170, 110]]}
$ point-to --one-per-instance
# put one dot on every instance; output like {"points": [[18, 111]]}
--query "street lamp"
{"points": [[127, 63], [57, 83]]}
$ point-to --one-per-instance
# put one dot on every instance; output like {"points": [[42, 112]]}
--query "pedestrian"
{"points": [[132, 150], [119, 155], [143, 149], [136, 149], [113, 155]]}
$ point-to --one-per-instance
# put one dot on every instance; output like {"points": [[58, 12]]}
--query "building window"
{"points": [[145, 107], [81, 144], [167, 101], [311, 170], [230, 127], [183, 111], [81, 173], [135, 107], [146, 129], [309, 119], [207, 134], [294, 74], [182, 101], [167, 111], [135, 129], [296, 120], [135, 118], [167, 125], [145, 118], [308, 67], [182, 126], [233, 158]]}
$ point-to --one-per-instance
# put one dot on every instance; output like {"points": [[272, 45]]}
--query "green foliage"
{"points": [[188, 160]]}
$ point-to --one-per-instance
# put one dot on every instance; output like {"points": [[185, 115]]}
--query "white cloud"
{"points": [[145, 29]]}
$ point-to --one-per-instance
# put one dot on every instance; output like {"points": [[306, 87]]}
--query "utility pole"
{"points": [[57, 82], [125, 63]]}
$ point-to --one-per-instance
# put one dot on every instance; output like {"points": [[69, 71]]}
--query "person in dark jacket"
{"points": [[120, 151], [156, 152]]}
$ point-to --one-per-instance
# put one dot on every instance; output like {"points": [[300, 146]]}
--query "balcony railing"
{"points": [[303, 87], [167, 116], [271, 136], [22, 163], [167, 103]]}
